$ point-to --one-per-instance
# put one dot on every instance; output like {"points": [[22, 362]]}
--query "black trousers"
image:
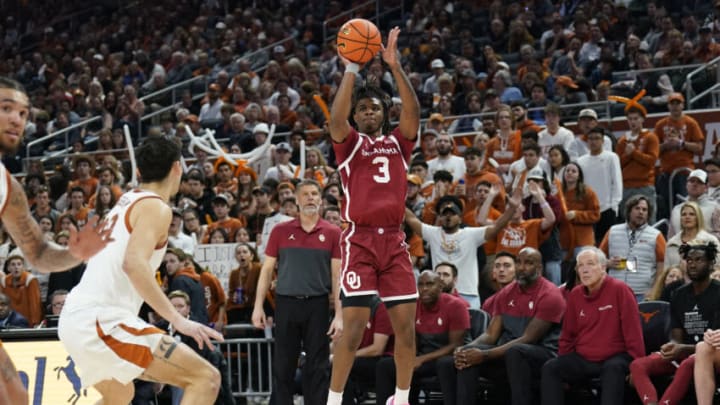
{"points": [[520, 369], [607, 219], [385, 379], [573, 368], [362, 378], [301, 324]]}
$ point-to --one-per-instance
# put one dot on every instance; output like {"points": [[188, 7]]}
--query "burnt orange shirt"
{"points": [[638, 168], [230, 225], [214, 295], [25, 297], [689, 131], [89, 186], [514, 237], [579, 231], [503, 152]]}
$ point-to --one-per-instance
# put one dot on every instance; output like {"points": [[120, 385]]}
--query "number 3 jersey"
{"points": [[374, 177]]}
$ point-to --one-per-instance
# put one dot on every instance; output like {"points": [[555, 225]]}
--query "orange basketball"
{"points": [[358, 40]]}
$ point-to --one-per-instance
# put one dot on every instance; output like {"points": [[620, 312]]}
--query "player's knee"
{"points": [[206, 378]]}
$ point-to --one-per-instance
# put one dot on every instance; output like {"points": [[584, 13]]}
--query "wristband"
{"points": [[352, 68]]}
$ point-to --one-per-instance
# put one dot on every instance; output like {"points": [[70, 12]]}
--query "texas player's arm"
{"points": [[44, 255], [149, 222]]}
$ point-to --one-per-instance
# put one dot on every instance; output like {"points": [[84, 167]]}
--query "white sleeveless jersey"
{"points": [[4, 187], [104, 282]]}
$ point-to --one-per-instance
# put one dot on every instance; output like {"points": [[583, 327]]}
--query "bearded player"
{"points": [[45, 256], [373, 168]]}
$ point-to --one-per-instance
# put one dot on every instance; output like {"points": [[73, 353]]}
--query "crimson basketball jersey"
{"points": [[374, 177]]}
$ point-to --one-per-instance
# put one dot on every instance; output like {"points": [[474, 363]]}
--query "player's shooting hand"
{"points": [[91, 238], [390, 53], [202, 334]]}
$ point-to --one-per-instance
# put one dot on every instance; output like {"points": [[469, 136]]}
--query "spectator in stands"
{"points": [[567, 91], [9, 318], [192, 225], [697, 192], [430, 86], [522, 122], [503, 86], [414, 200], [77, 208], [466, 187], [589, 53], [83, 170], [681, 139], [43, 205], [504, 148], [420, 169], [263, 209], [635, 249], [470, 123], [603, 174], [218, 236], [506, 350], [104, 201], [242, 284], [283, 169], [56, 301], [583, 211], [441, 323], [184, 278], [428, 140], [638, 150], [554, 133], [693, 312], [595, 343], [712, 168], [520, 232], [451, 243], [23, 290], [448, 273], [657, 84], [692, 228], [223, 220], [587, 120], [198, 197], [442, 186], [706, 49], [176, 237], [445, 159]]}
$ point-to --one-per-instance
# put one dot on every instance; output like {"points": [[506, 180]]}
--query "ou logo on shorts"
{"points": [[352, 280]]}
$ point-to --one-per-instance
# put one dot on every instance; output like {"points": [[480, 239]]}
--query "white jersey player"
{"points": [[99, 325]]}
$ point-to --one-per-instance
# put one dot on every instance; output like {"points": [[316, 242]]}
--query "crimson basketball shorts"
{"points": [[376, 261]]}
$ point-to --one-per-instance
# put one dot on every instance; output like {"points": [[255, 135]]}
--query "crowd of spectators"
{"points": [[508, 70]]}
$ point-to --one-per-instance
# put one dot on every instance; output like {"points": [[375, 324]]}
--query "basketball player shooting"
{"points": [[45, 256], [373, 168], [99, 325]]}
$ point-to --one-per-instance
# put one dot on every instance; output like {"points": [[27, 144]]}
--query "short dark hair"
{"points": [[533, 147], [155, 157], [710, 249], [530, 134], [452, 267], [504, 253], [712, 161], [472, 152], [419, 162], [370, 91], [443, 175], [8, 83]]}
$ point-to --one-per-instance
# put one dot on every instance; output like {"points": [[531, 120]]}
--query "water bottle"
{"points": [[239, 295]]}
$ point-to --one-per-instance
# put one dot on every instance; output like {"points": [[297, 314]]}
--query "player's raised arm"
{"points": [[44, 255], [342, 104], [410, 113]]}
